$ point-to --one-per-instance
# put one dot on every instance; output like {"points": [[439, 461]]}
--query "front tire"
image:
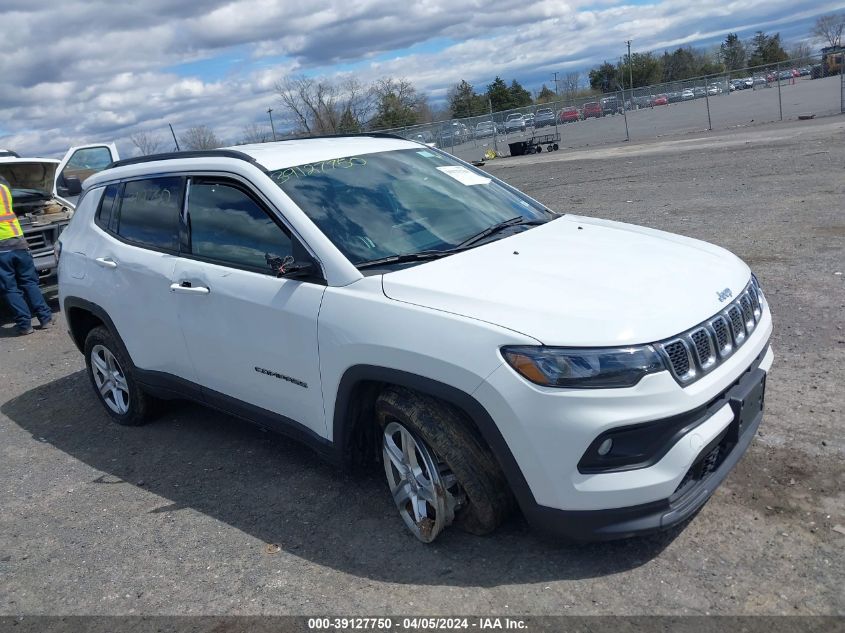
{"points": [[112, 375], [438, 468]]}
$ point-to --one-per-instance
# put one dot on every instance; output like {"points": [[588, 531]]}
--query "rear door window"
{"points": [[149, 212]]}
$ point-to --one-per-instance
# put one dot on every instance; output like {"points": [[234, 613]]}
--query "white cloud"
{"points": [[92, 70]]}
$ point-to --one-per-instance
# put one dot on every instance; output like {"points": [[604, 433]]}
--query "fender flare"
{"points": [[82, 304], [343, 426]]}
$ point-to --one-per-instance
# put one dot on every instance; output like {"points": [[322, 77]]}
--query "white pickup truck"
{"points": [[44, 194]]}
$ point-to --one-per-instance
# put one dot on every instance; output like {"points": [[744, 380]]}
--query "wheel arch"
{"points": [[83, 316], [361, 384]]}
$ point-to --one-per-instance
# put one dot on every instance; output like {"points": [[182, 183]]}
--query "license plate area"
{"points": [[747, 404]]}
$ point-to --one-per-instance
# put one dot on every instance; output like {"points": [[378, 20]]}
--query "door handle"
{"points": [[106, 262], [186, 288]]}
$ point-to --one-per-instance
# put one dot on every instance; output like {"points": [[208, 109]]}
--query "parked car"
{"points": [[714, 89], [529, 119], [544, 117], [660, 100], [804, 71], [484, 129], [675, 97], [592, 109], [422, 137], [785, 75], [466, 347], [645, 101], [44, 194], [687, 94], [611, 106], [453, 133], [569, 114], [699, 91], [515, 123]]}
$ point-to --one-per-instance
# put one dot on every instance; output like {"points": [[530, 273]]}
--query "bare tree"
{"points": [[146, 142], [199, 137], [254, 133], [323, 107], [801, 50], [570, 84], [313, 104], [828, 28], [358, 100]]}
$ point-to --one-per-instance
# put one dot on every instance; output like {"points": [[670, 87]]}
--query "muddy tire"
{"points": [[485, 498], [112, 376]]}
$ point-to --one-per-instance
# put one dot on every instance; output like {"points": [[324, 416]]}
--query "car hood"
{"points": [[32, 174], [580, 282]]}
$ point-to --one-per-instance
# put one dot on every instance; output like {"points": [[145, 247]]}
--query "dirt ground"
{"points": [[176, 517]]}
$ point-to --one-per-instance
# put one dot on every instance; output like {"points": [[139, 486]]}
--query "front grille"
{"points": [[36, 240], [41, 240], [723, 337], [678, 357], [704, 351], [693, 353]]}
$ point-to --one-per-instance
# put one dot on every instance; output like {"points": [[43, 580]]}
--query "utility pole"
{"points": [[272, 127], [495, 142], [630, 71], [174, 137], [555, 74]]}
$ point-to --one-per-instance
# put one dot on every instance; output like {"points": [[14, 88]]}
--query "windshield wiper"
{"points": [[408, 257], [501, 226]]}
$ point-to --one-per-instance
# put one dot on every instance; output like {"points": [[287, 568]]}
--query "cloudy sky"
{"points": [[82, 71]]}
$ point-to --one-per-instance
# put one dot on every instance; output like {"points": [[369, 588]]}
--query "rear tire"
{"points": [[472, 481], [112, 376]]}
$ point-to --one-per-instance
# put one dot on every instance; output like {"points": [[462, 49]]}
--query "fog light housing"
{"points": [[604, 447]]}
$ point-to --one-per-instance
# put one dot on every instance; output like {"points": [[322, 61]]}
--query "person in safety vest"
{"points": [[18, 278]]}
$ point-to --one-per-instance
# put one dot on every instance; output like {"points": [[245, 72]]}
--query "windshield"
{"points": [[400, 202]]}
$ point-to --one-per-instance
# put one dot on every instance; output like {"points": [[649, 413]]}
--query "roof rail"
{"points": [[204, 153], [349, 135]]}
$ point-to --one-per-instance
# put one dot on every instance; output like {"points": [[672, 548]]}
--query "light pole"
{"points": [[555, 74], [272, 127], [630, 71]]}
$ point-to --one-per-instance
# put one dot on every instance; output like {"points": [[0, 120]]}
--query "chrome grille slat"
{"points": [[721, 329], [700, 349], [703, 345]]}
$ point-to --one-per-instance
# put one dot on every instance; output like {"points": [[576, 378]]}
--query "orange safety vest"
{"points": [[9, 225]]}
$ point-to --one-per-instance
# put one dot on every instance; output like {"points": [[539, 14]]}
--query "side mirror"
{"points": [[290, 268], [71, 186]]}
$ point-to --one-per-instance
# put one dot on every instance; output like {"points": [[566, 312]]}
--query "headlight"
{"points": [[599, 368]]}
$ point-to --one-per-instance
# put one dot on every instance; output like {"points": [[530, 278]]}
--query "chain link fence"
{"points": [[775, 92]]}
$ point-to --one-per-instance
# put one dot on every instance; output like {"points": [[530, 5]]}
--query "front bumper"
{"points": [[692, 493]]}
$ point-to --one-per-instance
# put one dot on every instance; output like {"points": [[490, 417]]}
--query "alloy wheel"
{"points": [[424, 489], [110, 379]]}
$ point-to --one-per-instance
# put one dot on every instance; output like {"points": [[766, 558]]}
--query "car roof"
{"points": [[267, 156], [5, 160], [301, 151]]}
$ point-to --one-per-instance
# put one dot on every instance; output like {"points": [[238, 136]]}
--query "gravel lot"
{"points": [[175, 517]]}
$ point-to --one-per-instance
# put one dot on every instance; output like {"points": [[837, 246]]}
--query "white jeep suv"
{"points": [[381, 300]]}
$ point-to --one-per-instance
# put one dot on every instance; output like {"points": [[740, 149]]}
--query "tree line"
{"points": [[732, 54], [325, 106]]}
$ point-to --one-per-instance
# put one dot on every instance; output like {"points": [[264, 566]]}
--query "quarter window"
{"points": [[227, 226], [106, 204], [149, 212]]}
